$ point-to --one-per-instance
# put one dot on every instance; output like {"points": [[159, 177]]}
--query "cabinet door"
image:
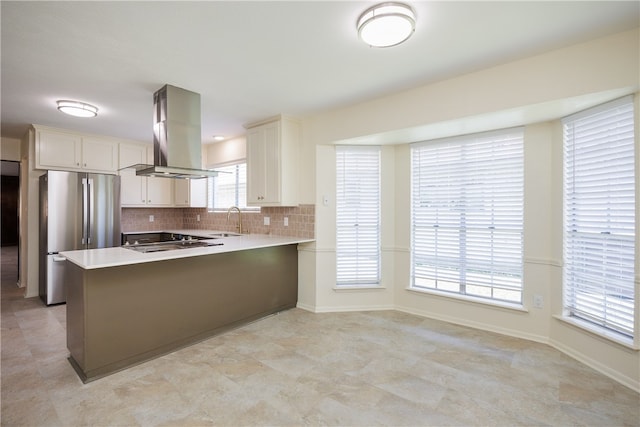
{"points": [[160, 191], [133, 191], [263, 165], [190, 192], [272, 156], [58, 150], [272, 170], [181, 192], [256, 155], [99, 155], [198, 192]]}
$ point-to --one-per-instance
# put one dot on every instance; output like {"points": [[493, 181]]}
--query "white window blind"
{"points": [[229, 188], [467, 209], [599, 216], [357, 215]]}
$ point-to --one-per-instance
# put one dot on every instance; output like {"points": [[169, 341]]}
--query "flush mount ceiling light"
{"points": [[386, 24], [78, 109], [218, 138]]}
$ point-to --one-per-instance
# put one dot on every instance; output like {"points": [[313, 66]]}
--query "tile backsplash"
{"points": [[301, 220]]}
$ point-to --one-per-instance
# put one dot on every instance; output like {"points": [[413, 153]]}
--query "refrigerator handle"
{"points": [[89, 213], [85, 209]]}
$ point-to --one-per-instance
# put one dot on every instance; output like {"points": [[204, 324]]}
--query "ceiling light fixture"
{"points": [[218, 138], [78, 109], [386, 24]]}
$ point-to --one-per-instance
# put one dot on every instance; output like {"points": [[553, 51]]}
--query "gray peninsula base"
{"points": [[121, 316]]}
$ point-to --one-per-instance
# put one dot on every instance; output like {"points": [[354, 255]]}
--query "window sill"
{"points": [[356, 288], [599, 332], [470, 299]]}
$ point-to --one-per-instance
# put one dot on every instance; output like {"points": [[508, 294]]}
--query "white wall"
{"points": [[10, 149], [534, 92], [534, 89], [29, 216], [225, 152]]}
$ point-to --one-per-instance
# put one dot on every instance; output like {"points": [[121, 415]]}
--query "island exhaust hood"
{"points": [[177, 146]]}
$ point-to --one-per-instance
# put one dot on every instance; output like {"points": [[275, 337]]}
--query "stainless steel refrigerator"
{"points": [[77, 211]]}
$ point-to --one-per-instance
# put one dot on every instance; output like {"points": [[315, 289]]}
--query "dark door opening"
{"points": [[10, 195]]}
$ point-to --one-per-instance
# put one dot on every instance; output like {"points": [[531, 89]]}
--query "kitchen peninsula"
{"points": [[125, 307]]}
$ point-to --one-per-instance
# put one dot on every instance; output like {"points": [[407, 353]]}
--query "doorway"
{"points": [[10, 195]]}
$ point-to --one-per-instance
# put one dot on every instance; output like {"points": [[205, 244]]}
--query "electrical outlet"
{"points": [[538, 302], [151, 218], [198, 218], [286, 221], [267, 220]]}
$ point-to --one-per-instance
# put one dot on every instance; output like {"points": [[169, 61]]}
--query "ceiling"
{"points": [[252, 60]]}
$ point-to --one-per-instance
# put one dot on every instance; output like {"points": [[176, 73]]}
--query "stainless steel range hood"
{"points": [[177, 149]]}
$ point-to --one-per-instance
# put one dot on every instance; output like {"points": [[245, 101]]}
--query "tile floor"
{"points": [[298, 368]]}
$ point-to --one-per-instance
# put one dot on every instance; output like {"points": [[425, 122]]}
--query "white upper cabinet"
{"points": [[272, 162], [191, 193], [60, 150], [99, 155], [140, 191], [133, 188], [160, 192]]}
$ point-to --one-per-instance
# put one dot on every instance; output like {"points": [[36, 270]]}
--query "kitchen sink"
{"points": [[214, 235]]}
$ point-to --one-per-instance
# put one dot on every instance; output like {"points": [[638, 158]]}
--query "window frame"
{"points": [[211, 189], [362, 244], [458, 263], [575, 282]]}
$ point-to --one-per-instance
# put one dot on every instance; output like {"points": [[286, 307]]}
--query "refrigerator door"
{"points": [[103, 215], [55, 292], [61, 216]]}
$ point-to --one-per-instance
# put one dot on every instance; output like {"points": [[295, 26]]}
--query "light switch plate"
{"points": [[267, 220]]}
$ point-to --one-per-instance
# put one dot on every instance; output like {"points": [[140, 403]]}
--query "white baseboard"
{"points": [[603, 369], [476, 325], [306, 307], [344, 309]]}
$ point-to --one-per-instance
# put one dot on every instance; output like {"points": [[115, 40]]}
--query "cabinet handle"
{"points": [[78, 164]]}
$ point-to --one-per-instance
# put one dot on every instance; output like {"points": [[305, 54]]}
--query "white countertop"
{"points": [[112, 257]]}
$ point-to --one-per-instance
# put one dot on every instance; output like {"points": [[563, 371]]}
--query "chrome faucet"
{"points": [[239, 227]]}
